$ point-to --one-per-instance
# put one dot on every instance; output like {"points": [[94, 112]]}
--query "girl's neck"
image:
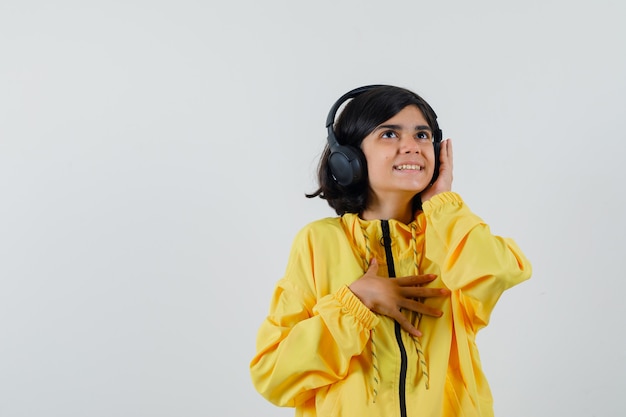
{"points": [[388, 209]]}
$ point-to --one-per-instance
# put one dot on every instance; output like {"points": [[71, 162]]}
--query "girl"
{"points": [[378, 309]]}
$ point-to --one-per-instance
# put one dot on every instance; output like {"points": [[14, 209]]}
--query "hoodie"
{"points": [[325, 353]]}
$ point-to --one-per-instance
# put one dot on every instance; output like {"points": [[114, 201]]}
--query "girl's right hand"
{"points": [[388, 296]]}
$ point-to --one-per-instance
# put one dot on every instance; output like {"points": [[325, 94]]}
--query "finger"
{"points": [[443, 151], [406, 324], [449, 152], [373, 268], [421, 292], [444, 181], [412, 280], [419, 307]]}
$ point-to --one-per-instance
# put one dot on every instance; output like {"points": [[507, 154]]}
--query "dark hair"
{"points": [[358, 119]]}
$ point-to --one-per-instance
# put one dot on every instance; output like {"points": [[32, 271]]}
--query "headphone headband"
{"points": [[330, 120]]}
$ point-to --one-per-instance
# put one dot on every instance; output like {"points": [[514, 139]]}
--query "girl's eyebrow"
{"points": [[399, 127]]}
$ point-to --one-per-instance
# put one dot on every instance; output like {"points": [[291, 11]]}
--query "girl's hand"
{"points": [[387, 296], [444, 180]]}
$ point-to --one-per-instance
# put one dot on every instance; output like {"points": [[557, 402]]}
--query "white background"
{"points": [[154, 157]]}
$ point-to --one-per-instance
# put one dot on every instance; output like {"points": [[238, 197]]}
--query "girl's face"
{"points": [[400, 154]]}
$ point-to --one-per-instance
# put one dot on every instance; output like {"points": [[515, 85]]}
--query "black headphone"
{"points": [[347, 163]]}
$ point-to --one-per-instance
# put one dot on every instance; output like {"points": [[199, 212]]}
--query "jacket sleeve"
{"points": [[474, 262], [307, 340]]}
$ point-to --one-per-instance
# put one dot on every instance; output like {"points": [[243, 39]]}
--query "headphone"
{"points": [[347, 163]]}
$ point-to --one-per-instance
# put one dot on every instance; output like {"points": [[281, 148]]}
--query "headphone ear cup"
{"points": [[346, 164]]}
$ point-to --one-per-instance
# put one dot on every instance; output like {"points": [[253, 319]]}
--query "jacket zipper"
{"points": [[398, 330]]}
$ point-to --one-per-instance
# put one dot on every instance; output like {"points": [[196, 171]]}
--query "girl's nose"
{"points": [[408, 144]]}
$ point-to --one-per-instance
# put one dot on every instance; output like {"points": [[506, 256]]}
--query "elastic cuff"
{"points": [[351, 304], [441, 199]]}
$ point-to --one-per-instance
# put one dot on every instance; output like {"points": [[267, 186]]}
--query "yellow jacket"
{"points": [[323, 352]]}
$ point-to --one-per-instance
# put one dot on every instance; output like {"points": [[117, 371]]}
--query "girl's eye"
{"points": [[424, 136], [389, 134]]}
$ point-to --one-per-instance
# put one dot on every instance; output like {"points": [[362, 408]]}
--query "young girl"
{"points": [[378, 310]]}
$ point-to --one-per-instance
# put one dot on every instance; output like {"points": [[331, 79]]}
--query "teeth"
{"points": [[413, 167]]}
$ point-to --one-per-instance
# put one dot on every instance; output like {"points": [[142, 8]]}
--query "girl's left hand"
{"points": [[444, 180]]}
